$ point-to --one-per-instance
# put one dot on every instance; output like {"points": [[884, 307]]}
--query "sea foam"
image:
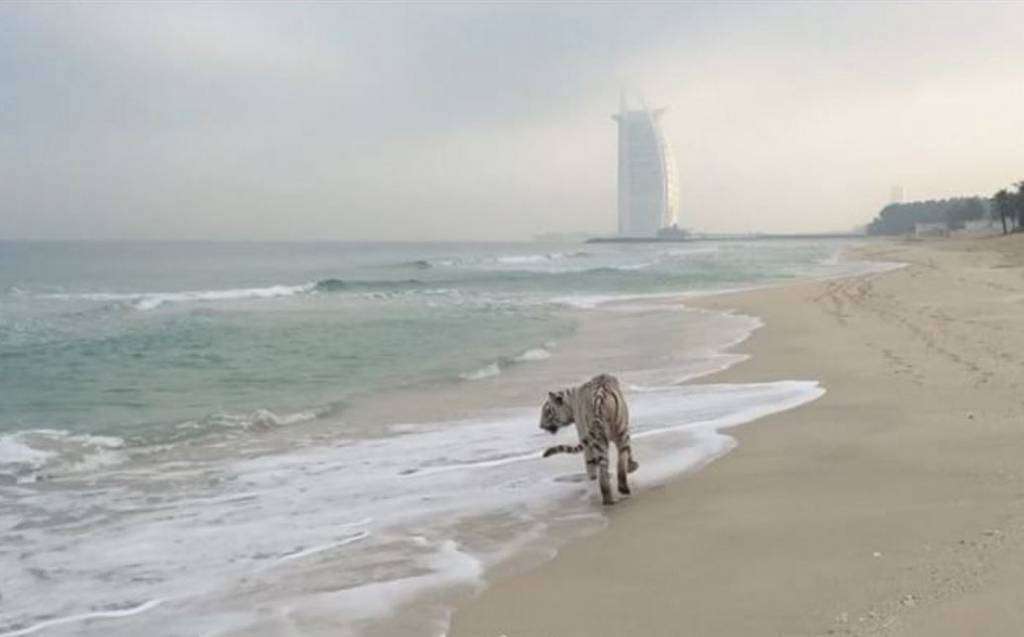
{"points": [[380, 521], [27, 455], [144, 301], [487, 371], [533, 355], [151, 300]]}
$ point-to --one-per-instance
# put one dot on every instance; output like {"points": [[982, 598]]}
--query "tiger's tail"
{"points": [[550, 451]]}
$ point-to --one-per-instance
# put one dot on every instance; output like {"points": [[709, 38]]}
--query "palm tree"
{"points": [[1004, 205], [1018, 204]]}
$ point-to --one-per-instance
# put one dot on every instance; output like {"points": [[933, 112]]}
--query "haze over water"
{"points": [[459, 121]]}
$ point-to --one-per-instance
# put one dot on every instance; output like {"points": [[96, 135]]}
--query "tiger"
{"points": [[599, 410]]}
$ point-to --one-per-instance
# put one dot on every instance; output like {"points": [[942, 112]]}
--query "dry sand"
{"points": [[894, 505]]}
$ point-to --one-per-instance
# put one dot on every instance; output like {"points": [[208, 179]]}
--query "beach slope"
{"points": [[893, 505]]}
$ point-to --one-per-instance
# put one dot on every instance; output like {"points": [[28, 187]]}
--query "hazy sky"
{"points": [[458, 121]]}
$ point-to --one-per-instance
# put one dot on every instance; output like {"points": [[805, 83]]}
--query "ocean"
{"points": [[337, 438]]}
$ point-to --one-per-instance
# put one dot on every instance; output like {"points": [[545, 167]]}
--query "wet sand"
{"points": [[893, 505]]}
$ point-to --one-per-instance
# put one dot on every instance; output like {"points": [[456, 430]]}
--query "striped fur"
{"points": [[563, 449], [599, 411]]}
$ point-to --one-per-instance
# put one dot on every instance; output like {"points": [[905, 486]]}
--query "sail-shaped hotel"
{"points": [[648, 182]]}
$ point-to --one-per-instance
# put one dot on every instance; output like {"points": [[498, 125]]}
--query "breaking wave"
{"points": [[258, 420], [491, 370], [144, 301], [487, 371], [31, 455], [152, 300], [39, 454], [532, 355]]}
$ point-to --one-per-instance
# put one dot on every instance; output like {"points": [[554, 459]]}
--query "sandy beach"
{"points": [[893, 505], [299, 304]]}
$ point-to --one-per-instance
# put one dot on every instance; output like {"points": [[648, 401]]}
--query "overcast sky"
{"points": [[459, 121]]}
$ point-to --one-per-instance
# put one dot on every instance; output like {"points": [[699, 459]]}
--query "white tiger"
{"points": [[601, 416]]}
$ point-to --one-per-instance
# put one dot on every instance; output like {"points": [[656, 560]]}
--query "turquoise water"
{"points": [[153, 342]]}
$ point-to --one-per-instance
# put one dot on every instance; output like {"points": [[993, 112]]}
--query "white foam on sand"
{"points": [[119, 613], [330, 546], [380, 522]]}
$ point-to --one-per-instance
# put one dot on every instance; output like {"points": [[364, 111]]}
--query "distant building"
{"points": [[648, 182]]}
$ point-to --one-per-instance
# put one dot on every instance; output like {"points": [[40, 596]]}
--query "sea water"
{"points": [[182, 449]]}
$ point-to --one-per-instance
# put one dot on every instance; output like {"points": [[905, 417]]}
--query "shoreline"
{"points": [[657, 342], [877, 509], [647, 321], [407, 569], [650, 320]]}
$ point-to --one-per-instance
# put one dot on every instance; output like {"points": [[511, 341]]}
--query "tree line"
{"points": [[900, 218], [1009, 205]]}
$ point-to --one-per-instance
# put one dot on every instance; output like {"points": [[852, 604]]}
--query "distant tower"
{"points": [[648, 182], [896, 194]]}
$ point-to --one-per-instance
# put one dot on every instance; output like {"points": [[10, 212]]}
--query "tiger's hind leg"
{"points": [[624, 462], [625, 448], [600, 450], [590, 458], [604, 479]]}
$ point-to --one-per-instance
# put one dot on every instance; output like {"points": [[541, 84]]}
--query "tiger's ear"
{"points": [[557, 398]]}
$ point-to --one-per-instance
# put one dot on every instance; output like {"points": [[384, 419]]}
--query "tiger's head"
{"points": [[556, 412]]}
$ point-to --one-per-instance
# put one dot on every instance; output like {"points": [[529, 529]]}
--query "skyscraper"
{"points": [[648, 182]]}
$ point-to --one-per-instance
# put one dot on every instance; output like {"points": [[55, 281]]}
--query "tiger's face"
{"points": [[556, 413]]}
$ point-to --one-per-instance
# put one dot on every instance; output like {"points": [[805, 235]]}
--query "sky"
{"points": [[330, 121]]}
